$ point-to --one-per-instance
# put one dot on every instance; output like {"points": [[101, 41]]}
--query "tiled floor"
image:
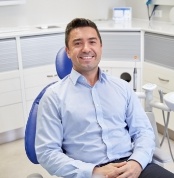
{"points": [[14, 163]]}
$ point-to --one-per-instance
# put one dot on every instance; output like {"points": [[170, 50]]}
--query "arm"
{"points": [[48, 144], [140, 131]]}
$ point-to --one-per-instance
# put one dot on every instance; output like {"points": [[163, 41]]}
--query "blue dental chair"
{"points": [[63, 67]]}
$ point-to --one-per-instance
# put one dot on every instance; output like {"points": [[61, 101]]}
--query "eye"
{"points": [[77, 43], [92, 42]]}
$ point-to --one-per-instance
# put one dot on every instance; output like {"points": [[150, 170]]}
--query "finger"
{"points": [[124, 171], [123, 175], [119, 164]]}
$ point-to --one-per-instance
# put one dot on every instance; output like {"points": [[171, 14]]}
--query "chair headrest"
{"points": [[63, 63]]}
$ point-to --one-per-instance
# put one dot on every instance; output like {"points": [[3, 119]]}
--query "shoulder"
{"points": [[118, 82], [57, 88]]}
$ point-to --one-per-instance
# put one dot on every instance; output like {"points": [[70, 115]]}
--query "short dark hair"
{"points": [[80, 22]]}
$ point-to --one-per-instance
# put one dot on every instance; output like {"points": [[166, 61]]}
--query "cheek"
{"points": [[71, 54], [99, 52]]}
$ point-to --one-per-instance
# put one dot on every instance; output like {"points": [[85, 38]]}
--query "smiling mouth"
{"points": [[86, 57]]}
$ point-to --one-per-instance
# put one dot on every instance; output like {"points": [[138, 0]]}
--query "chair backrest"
{"points": [[63, 63], [63, 68]]}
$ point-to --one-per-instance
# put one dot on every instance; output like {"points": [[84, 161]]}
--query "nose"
{"points": [[86, 47]]}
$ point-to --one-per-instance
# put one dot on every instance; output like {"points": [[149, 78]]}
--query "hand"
{"points": [[130, 169], [108, 171]]}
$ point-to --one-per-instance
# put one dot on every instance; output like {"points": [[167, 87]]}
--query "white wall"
{"points": [[36, 12], [139, 10]]}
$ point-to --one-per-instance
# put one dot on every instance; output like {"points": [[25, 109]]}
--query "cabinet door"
{"points": [[8, 55], [159, 49], [40, 50], [38, 60], [121, 46], [11, 117], [11, 109]]}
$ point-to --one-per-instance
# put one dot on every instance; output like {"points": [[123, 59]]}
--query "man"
{"points": [[91, 124]]}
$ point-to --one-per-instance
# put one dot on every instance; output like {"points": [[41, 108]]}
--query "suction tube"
{"points": [[135, 79]]}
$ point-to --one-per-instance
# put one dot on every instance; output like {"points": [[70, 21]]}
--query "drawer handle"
{"points": [[49, 76], [164, 80]]}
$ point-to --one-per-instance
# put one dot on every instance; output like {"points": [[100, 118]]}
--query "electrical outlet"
{"points": [[158, 13]]}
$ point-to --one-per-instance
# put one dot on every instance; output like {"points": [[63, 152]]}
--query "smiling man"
{"points": [[91, 124], [84, 47]]}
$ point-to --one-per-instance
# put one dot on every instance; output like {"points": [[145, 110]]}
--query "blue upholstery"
{"points": [[30, 130], [63, 63], [63, 68]]}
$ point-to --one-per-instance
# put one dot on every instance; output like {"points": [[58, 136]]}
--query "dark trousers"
{"points": [[152, 170], [155, 171]]}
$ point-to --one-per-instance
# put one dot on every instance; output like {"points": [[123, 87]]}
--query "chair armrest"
{"points": [[161, 156]]}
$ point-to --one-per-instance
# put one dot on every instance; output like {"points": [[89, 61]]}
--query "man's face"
{"points": [[84, 49]]}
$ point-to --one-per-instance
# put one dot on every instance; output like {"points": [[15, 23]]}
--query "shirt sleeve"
{"points": [[48, 143], [140, 130]]}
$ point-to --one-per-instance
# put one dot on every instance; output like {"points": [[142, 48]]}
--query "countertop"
{"points": [[165, 28]]}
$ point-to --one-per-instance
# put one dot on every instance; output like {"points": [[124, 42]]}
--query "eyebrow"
{"points": [[79, 39]]}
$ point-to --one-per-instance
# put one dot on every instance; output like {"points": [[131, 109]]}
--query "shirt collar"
{"points": [[76, 76]]}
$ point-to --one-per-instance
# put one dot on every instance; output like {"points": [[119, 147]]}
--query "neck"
{"points": [[91, 77]]}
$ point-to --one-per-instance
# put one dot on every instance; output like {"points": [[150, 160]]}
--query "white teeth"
{"points": [[87, 57]]}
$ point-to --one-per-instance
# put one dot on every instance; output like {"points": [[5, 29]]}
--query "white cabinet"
{"points": [[11, 108], [38, 61], [164, 78], [159, 67]]}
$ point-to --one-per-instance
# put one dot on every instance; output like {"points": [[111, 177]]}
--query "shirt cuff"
{"points": [[142, 158], [86, 170]]}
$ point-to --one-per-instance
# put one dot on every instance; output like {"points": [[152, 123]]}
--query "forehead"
{"points": [[83, 32]]}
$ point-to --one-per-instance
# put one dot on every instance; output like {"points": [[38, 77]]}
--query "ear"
{"points": [[67, 51]]}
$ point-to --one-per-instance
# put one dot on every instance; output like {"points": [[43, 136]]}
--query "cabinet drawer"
{"points": [[32, 93], [40, 76], [10, 85], [161, 76], [11, 117], [9, 75], [9, 98], [163, 81]]}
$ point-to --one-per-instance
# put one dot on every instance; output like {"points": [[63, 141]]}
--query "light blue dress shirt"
{"points": [[92, 124]]}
